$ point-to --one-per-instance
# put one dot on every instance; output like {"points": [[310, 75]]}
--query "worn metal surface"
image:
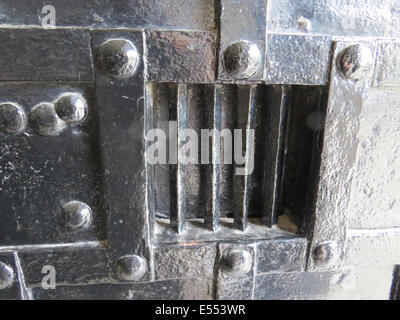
{"points": [[316, 81], [52, 55], [337, 159], [173, 14], [242, 20], [171, 54], [355, 18], [387, 69], [297, 59], [40, 174], [122, 124]]}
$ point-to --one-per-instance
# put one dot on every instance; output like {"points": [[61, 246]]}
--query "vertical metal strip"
{"points": [[246, 111], [178, 215], [276, 125], [214, 210], [122, 120]]}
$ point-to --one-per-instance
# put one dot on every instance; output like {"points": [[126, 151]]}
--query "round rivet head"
{"points": [[12, 118], [76, 214], [117, 58], [71, 107], [236, 262], [242, 59], [324, 252], [6, 276], [356, 61], [131, 268], [45, 121]]}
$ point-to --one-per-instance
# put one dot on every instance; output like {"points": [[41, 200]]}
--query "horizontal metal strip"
{"points": [[45, 55], [182, 14]]}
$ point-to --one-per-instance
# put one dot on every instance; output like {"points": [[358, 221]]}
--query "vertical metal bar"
{"points": [[276, 124], [178, 215], [122, 124], [245, 120], [214, 210]]}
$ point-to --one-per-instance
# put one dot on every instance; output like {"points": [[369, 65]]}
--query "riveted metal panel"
{"points": [[40, 174]]}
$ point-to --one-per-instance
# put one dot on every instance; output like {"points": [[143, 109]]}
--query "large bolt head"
{"points": [[325, 252], [12, 118], [76, 214], [242, 59], [236, 262], [131, 268], [45, 121], [71, 107], [6, 276], [356, 61], [117, 58]]}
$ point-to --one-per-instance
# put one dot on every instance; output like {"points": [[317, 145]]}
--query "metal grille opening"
{"points": [[288, 124]]}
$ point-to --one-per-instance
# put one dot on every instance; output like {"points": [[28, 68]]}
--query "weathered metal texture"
{"points": [[122, 124], [170, 56], [356, 18], [173, 14], [387, 69], [376, 247], [286, 255], [188, 261], [177, 289], [73, 266], [45, 55], [297, 59], [242, 20], [80, 196], [235, 277], [337, 160], [374, 201], [360, 283], [40, 174]]}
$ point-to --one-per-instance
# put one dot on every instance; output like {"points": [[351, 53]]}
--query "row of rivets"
{"points": [[242, 60], [47, 119], [236, 263], [6, 276]]}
